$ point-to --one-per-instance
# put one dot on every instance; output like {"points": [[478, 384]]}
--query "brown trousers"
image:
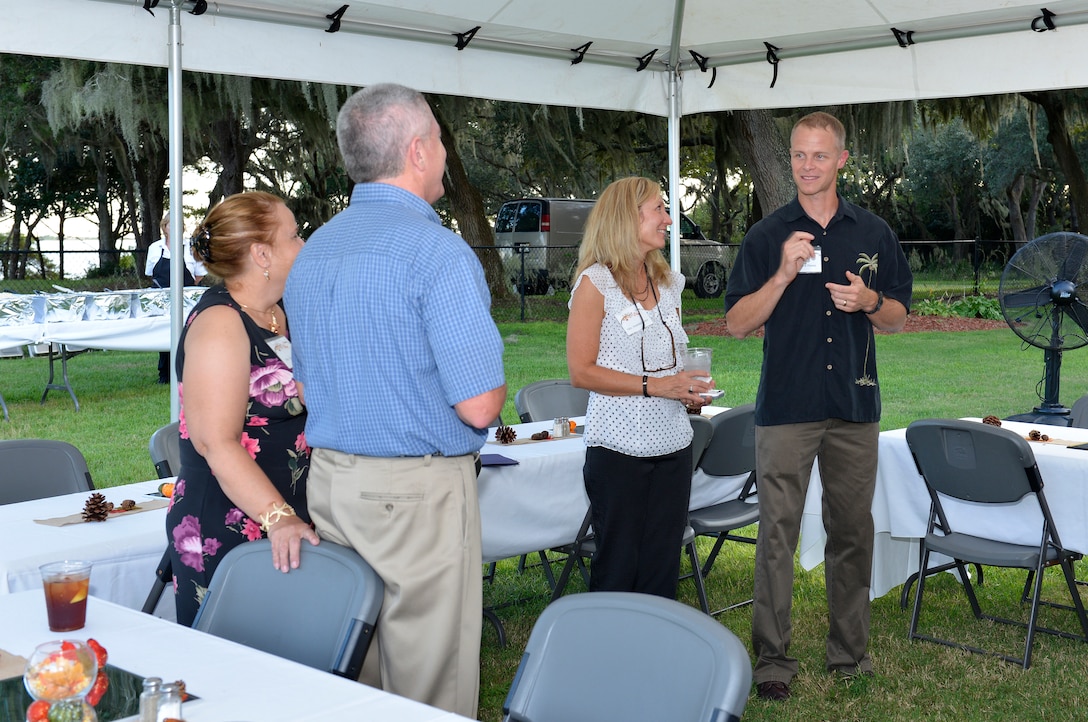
{"points": [[847, 457]]}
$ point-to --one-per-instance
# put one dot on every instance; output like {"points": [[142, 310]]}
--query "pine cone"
{"points": [[95, 508], [505, 434], [992, 420], [1035, 435]]}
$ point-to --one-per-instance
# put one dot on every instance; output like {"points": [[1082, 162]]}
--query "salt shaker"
{"points": [[170, 703], [149, 699], [558, 426]]}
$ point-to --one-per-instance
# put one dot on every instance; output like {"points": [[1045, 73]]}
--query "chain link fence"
{"points": [[533, 283]]}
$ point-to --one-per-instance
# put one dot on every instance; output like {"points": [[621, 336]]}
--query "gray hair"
{"points": [[375, 127]]}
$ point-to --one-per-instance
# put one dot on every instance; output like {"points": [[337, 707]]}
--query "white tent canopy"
{"points": [[661, 57], [828, 52]]}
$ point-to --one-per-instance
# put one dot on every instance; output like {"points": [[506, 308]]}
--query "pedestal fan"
{"points": [[1044, 299]]}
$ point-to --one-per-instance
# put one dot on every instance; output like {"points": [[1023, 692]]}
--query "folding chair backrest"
{"points": [[545, 400], [631, 657], [732, 448], [1079, 413], [39, 468], [703, 430], [165, 454], [972, 461], [321, 614]]}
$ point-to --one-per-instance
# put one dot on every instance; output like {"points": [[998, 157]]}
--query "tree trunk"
{"points": [[230, 139], [1014, 193], [1038, 188], [467, 206], [1065, 152], [764, 151]]}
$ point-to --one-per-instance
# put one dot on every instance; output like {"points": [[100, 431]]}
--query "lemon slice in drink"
{"points": [[79, 596]]}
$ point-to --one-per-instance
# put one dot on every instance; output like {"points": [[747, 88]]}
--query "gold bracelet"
{"points": [[279, 511]]}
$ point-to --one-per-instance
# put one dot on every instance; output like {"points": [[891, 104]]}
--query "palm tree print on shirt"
{"points": [[867, 263]]}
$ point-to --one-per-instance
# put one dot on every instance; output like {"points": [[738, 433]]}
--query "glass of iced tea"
{"points": [[66, 584]]}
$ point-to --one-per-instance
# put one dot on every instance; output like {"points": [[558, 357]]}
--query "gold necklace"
{"points": [[274, 326]]}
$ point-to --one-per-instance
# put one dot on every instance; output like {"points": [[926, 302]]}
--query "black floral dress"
{"points": [[202, 524]]}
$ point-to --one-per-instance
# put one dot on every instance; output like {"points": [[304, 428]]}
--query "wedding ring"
{"points": [[691, 389]]}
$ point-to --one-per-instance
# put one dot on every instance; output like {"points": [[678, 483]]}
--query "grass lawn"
{"points": [[922, 374]]}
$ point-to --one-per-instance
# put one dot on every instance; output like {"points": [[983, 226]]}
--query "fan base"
{"points": [[1056, 416]]}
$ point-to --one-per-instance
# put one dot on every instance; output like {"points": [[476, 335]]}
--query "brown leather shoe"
{"points": [[775, 691]]}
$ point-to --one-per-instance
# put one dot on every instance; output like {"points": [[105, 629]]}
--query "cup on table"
{"points": [[66, 584]]}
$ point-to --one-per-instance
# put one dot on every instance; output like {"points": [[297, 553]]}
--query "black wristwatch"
{"points": [[879, 303]]}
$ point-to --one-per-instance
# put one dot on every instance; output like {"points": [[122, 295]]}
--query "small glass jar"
{"points": [[149, 699], [170, 702], [560, 427]]}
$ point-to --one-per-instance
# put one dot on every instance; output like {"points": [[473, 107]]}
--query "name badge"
{"points": [[282, 348], [630, 322], [814, 264]]}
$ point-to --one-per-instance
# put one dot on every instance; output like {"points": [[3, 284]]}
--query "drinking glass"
{"points": [[698, 359], [66, 584]]}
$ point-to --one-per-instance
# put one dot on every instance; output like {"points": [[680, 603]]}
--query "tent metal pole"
{"points": [[674, 134], [177, 228], [674, 169]]}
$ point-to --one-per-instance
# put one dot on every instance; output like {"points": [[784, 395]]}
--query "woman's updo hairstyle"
{"points": [[222, 241]]}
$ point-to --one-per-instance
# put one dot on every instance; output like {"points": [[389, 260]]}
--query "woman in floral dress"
{"points": [[244, 456]]}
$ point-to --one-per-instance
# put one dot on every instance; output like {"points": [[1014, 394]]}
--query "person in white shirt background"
{"points": [[158, 267]]}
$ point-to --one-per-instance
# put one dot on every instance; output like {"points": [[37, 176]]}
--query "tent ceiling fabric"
{"points": [[523, 49]]}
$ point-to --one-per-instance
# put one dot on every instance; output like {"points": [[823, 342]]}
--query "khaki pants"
{"points": [[847, 457], [417, 522]]}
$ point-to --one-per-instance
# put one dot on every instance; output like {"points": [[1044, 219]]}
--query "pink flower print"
{"points": [[188, 543], [257, 421], [183, 428], [251, 445], [301, 446], [234, 516], [272, 384], [211, 546], [251, 530]]}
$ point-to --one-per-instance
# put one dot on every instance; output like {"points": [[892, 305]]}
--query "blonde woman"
{"points": [[625, 345]]}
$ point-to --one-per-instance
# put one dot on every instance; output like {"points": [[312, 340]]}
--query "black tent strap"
{"points": [[701, 61], [463, 39], [580, 53], [1044, 22], [772, 58], [336, 17], [905, 38], [645, 60]]}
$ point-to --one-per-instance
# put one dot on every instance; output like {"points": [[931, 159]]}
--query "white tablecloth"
{"points": [[540, 502], [536, 504], [126, 334], [901, 505], [232, 681], [125, 550]]}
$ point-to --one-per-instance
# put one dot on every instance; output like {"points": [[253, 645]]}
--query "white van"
{"points": [[545, 233]]}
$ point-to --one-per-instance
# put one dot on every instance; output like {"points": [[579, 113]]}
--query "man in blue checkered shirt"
{"points": [[400, 366]]}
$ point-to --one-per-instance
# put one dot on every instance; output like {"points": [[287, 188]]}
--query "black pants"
{"points": [[640, 507]]}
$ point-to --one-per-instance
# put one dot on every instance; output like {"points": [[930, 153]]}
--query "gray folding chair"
{"points": [[1079, 413], [163, 447], [545, 400], [321, 614], [731, 452], [40, 468], [986, 465], [166, 457], [649, 659]]}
